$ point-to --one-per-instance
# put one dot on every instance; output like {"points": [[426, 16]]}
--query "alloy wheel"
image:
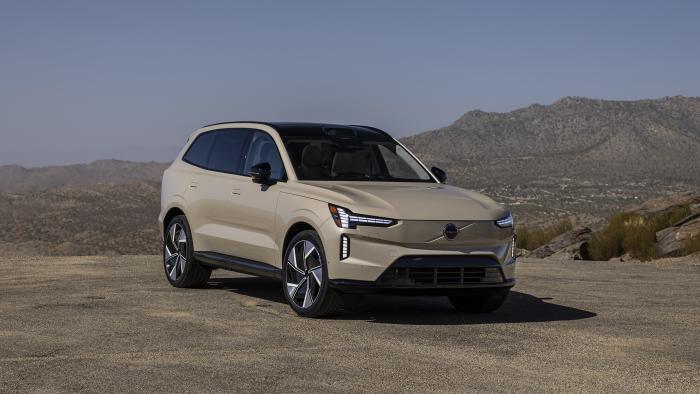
{"points": [[304, 274], [175, 252]]}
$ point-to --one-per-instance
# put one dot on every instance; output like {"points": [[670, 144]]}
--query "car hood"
{"points": [[406, 201]]}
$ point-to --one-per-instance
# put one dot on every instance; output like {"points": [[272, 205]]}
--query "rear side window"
{"points": [[198, 154], [227, 151]]}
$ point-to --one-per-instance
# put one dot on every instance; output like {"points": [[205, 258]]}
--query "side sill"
{"points": [[238, 264]]}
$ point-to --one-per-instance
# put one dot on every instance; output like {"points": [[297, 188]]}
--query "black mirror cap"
{"points": [[439, 174], [261, 172]]}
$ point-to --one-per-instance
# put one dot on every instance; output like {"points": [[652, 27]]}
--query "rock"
{"points": [[577, 251], [627, 257], [671, 240], [570, 243], [668, 203]]}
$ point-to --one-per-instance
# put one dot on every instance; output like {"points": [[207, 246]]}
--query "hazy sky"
{"points": [[83, 80]]}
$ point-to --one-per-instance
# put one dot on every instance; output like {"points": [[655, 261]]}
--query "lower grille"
{"points": [[441, 276]]}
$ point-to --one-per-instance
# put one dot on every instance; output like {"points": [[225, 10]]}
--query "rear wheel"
{"points": [[481, 301], [305, 277], [181, 269]]}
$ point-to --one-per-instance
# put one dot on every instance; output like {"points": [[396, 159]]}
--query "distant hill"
{"points": [[97, 219], [15, 178], [575, 155], [642, 138]]}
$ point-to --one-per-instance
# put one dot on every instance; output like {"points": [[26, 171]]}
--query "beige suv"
{"points": [[330, 210]]}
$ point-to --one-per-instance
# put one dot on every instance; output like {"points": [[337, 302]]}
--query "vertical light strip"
{"points": [[344, 247]]}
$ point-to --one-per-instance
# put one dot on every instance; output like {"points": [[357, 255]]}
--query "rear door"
{"points": [[211, 196]]}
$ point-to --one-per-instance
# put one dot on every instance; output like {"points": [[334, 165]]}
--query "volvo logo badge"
{"points": [[450, 231]]}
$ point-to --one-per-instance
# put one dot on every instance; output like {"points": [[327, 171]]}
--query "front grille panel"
{"points": [[441, 276]]}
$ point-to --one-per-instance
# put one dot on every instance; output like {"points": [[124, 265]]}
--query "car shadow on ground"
{"points": [[519, 308]]}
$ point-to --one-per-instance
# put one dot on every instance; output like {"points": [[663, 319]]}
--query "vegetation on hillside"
{"points": [[692, 244], [632, 233], [531, 238]]}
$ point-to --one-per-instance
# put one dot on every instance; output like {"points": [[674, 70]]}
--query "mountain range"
{"points": [[577, 155], [577, 158]]}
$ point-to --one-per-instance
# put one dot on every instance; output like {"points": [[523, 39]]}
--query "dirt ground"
{"points": [[114, 324]]}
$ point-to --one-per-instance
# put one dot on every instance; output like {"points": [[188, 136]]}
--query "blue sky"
{"points": [[83, 80]]}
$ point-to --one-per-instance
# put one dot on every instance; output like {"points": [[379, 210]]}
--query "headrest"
{"points": [[350, 163], [311, 156]]}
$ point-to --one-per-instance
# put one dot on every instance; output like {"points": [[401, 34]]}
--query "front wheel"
{"points": [[305, 277], [480, 301]]}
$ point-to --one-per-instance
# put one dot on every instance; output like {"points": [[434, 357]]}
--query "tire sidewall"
{"points": [[181, 220], [313, 237]]}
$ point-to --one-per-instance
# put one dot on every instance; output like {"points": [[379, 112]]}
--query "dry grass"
{"points": [[531, 238], [692, 244], [632, 233]]}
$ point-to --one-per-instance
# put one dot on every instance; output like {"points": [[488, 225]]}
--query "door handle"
{"points": [[236, 192], [193, 185]]}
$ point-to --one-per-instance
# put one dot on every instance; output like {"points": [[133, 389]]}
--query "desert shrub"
{"points": [[631, 233], [692, 244], [531, 238], [607, 243], [667, 219]]}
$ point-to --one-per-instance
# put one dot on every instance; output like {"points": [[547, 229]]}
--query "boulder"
{"points": [[668, 203], [577, 251], [671, 240], [567, 245]]}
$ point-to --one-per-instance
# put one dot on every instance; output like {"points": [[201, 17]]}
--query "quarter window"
{"points": [[198, 154]]}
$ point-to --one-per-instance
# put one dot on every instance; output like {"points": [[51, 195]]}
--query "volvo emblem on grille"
{"points": [[450, 231]]}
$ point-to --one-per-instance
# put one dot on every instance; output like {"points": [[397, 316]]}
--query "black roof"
{"points": [[292, 129]]}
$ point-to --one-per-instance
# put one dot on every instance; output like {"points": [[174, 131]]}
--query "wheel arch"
{"points": [[172, 213], [293, 230]]}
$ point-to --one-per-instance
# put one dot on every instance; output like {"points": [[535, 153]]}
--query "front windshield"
{"points": [[342, 159]]}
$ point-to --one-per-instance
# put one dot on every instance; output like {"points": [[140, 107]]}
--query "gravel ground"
{"points": [[113, 324]]}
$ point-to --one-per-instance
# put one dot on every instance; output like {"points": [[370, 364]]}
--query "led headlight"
{"points": [[505, 222], [344, 218]]}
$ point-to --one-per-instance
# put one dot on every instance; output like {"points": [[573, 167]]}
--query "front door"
{"points": [[256, 204]]}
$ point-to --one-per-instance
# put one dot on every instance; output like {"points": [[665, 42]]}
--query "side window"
{"points": [[226, 154], [198, 154], [263, 150]]}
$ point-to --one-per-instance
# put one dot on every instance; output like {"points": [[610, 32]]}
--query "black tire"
{"points": [[480, 301], [327, 301], [194, 274]]}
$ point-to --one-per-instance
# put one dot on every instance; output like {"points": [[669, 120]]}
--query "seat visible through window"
{"points": [[263, 150]]}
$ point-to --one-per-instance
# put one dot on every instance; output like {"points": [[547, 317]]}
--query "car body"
{"points": [[379, 219]]}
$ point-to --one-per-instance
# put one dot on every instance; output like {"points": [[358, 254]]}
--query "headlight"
{"points": [[344, 218], [505, 222]]}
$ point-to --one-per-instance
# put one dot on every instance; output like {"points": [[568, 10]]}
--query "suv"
{"points": [[330, 210]]}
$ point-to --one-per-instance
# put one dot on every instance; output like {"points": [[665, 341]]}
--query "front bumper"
{"points": [[432, 275]]}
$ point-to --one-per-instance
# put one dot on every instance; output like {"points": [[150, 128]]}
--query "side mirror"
{"points": [[261, 173], [439, 174]]}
